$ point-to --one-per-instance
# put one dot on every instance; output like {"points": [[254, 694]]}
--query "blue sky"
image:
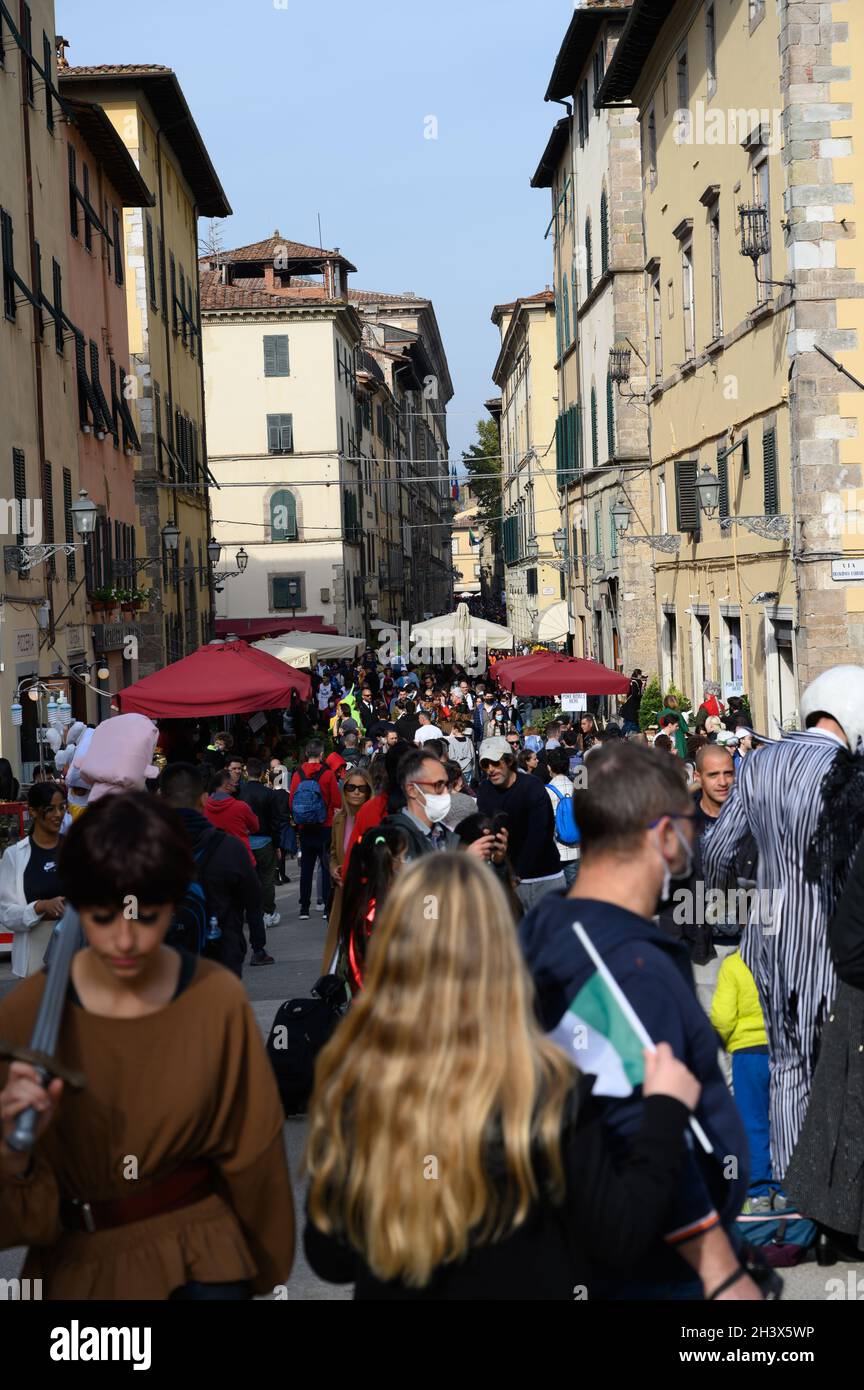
{"points": [[321, 108]]}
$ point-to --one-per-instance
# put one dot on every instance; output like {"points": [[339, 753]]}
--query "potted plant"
{"points": [[125, 599], [103, 599]]}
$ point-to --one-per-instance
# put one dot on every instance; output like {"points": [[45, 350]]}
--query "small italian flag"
{"points": [[604, 1035], [599, 1038]]}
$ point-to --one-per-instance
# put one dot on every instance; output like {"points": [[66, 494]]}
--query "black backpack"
{"points": [[300, 1030]]}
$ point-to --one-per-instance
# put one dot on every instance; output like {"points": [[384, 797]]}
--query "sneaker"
{"points": [[304, 916], [272, 919], [261, 958], [319, 907]]}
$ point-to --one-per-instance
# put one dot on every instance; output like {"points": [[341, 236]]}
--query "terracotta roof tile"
{"points": [[124, 69], [273, 246]]}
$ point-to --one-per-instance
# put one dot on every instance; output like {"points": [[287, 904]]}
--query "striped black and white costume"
{"points": [[776, 796]]}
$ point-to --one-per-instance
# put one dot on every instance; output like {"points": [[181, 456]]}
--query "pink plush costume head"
{"points": [[119, 756]]}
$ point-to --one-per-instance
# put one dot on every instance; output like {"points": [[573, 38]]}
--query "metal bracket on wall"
{"points": [[770, 528], [671, 544]]}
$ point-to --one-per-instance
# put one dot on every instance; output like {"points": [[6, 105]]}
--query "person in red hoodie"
{"points": [[313, 815], [229, 813]]}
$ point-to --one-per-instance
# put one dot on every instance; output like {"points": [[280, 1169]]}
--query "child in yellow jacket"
{"points": [[737, 1016]]}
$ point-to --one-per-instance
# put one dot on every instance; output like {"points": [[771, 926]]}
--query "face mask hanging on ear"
{"points": [[683, 873]]}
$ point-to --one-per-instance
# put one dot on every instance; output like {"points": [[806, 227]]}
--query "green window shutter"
{"points": [[589, 268], [558, 469], [723, 475], [73, 193], [686, 498], [604, 233], [598, 523], [610, 415], [283, 516], [577, 425], [595, 442], [769, 464], [566, 300], [613, 535]]}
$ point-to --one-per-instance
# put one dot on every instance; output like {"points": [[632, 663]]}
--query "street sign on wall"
{"points": [[847, 569]]}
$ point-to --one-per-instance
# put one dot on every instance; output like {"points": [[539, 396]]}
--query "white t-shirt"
{"points": [[427, 731]]}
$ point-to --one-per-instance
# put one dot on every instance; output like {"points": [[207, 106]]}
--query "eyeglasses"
{"points": [[436, 787], [356, 787]]}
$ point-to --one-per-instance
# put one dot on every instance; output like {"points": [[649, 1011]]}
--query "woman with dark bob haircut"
{"points": [[166, 1176]]}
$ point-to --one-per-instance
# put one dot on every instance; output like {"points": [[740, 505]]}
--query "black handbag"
{"points": [[300, 1030]]}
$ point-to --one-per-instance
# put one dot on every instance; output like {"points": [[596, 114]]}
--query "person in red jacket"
{"points": [[226, 811], [314, 837]]}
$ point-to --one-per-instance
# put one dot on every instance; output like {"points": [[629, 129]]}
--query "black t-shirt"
{"points": [[187, 970], [41, 879]]}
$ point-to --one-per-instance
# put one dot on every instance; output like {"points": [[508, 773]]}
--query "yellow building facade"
{"points": [[525, 374], [146, 106]]}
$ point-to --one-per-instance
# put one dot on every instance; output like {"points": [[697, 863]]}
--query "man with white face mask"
{"points": [[424, 782], [636, 819]]}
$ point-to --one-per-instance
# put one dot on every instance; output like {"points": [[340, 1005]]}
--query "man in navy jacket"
{"points": [[636, 820]]}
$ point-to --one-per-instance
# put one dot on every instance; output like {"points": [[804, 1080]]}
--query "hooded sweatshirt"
{"points": [[231, 814]]}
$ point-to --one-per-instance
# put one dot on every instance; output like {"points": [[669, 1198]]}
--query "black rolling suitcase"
{"points": [[300, 1029]]}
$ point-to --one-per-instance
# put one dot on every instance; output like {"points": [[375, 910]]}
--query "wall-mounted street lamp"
{"points": [[755, 235], [622, 515], [708, 490], [24, 558]]}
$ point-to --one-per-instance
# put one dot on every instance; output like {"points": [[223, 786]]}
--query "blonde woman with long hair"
{"points": [[454, 1151]]}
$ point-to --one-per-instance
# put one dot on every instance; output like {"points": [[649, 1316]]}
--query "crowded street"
{"points": [[431, 719]]}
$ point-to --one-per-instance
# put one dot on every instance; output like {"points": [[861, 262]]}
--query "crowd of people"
{"points": [[466, 1137]]}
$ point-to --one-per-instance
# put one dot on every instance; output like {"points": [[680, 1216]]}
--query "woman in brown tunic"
{"points": [[166, 1176]]}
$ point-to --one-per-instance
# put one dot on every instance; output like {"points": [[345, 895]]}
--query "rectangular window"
{"points": [[37, 291], [19, 484], [182, 306], [173, 293], [664, 512], [7, 238], [46, 66], [151, 268], [27, 40], [657, 316], [683, 81], [769, 466], [163, 279], [762, 197], [531, 582], [280, 434], [88, 229], [68, 527], [686, 498], [57, 275], [48, 514], [117, 233], [652, 146], [723, 475], [688, 307], [711, 49], [716, 295], [276, 354], [73, 190]]}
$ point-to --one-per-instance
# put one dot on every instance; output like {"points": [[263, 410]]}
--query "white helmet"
{"points": [[840, 693]]}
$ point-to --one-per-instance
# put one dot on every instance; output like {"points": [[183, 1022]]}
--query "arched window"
{"points": [[566, 301], [595, 448], [589, 269], [283, 516], [604, 232]]}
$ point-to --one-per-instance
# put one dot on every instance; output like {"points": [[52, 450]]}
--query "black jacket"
{"points": [[267, 806], [846, 928], [231, 885], [530, 825], [609, 1218]]}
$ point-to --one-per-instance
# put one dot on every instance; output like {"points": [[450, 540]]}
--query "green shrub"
{"points": [[650, 704]]}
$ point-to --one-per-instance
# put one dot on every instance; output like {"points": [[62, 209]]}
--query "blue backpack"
{"points": [[308, 806], [194, 926], [566, 829]]}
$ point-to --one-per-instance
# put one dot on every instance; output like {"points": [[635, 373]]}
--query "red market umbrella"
{"points": [[224, 678], [507, 671], [553, 674]]}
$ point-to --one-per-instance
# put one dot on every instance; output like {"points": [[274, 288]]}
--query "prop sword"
{"points": [[40, 1054]]}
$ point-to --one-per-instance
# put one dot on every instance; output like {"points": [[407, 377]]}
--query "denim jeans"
{"points": [[315, 848]]}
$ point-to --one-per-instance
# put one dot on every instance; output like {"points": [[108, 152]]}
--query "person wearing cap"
{"points": [[803, 800], [530, 821]]}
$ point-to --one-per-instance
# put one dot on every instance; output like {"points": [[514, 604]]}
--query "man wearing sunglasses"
{"points": [[530, 820], [637, 822], [426, 788]]}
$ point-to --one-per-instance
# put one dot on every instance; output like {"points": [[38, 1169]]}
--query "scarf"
{"points": [[841, 823]]}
